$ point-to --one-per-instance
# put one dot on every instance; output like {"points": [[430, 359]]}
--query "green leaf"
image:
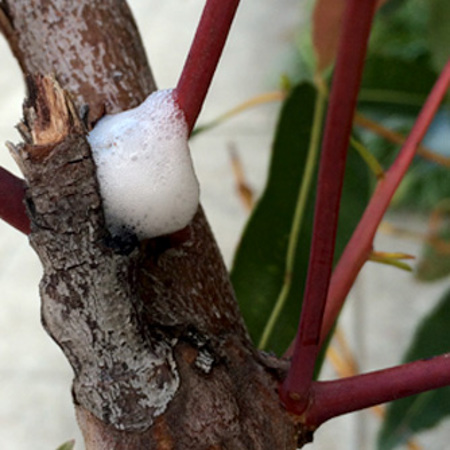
{"points": [[400, 30], [439, 32], [259, 266], [410, 415], [396, 85], [69, 445], [434, 262]]}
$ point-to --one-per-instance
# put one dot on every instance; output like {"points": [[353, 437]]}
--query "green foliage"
{"points": [[391, 85], [417, 413], [439, 32], [69, 445], [400, 30], [434, 261], [393, 90], [412, 29], [259, 267], [408, 48], [424, 185], [434, 264]]}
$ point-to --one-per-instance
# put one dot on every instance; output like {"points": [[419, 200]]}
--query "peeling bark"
{"points": [[160, 354]]}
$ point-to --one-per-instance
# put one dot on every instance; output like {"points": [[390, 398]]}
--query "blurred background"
{"points": [[264, 50]]}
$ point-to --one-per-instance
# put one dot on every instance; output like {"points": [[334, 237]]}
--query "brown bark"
{"points": [[161, 356], [93, 48]]}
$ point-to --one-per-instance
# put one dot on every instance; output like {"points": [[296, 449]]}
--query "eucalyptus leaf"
{"points": [[400, 30], [408, 416], [259, 266], [392, 85], [439, 32], [69, 445]]}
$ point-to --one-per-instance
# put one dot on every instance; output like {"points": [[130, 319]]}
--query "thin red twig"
{"points": [[346, 82], [12, 208], [334, 398], [359, 247], [204, 55]]}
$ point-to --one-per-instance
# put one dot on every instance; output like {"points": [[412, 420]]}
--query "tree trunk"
{"points": [[152, 330]]}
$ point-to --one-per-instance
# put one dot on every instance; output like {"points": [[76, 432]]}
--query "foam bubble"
{"points": [[144, 168]]}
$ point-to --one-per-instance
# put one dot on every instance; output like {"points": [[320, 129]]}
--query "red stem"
{"points": [[204, 56], [346, 82], [359, 247], [334, 398], [12, 208]]}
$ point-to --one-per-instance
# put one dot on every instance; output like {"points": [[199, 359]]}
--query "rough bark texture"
{"points": [[124, 373], [152, 330]]}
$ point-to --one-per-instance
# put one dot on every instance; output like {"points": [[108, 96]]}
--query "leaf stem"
{"points": [[12, 207], [346, 81], [397, 138], [260, 99], [368, 157], [303, 194], [334, 398], [392, 97], [385, 258], [204, 55], [359, 248]]}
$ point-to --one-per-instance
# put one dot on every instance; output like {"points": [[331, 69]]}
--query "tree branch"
{"points": [[333, 398], [204, 56], [346, 81], [172, 294], [359, 247]]}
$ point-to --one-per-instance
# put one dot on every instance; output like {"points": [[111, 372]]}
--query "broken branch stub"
{"points": [[123, 375]]}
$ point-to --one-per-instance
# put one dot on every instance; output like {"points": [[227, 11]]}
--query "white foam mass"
{"points": [[144, 168]]}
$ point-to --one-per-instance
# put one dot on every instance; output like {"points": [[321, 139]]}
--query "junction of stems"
{"points": [[295, 390]]}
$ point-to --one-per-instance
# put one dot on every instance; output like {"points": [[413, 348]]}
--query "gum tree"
{"points": [[159, 349]]}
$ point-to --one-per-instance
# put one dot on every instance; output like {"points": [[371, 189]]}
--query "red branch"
{"points": [[359, 247], [346, 82], [204, 55], [334, 398], [12, 208]]}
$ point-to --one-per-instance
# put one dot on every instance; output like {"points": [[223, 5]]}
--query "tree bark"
{"points": [[93, 48], [152, 330]]}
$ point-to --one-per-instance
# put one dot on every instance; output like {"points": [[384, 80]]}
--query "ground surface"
{"points": [[35, 404]]}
